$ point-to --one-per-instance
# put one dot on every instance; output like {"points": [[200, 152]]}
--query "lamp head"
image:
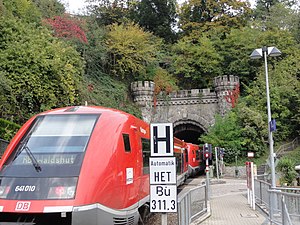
{"points": [[256, 54], [273, 51]]}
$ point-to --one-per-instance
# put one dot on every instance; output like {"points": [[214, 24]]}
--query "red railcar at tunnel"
{"points": [[195, 164], [79, 165]]}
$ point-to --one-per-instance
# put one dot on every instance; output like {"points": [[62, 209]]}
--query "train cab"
{"points": [[194, 159], [181, 154]]}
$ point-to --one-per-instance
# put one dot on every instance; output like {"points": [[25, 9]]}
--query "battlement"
{"points": [[142, 86], [226, 80], [188, 93], [196, 106], [143, 92]]}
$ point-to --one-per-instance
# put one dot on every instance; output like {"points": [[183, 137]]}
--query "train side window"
{"points": [[178, 162], [198, 154], [126, 141], [146, 155], [186, 155]]}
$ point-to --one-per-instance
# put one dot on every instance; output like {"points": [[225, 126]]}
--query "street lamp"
{"points": [[256, 54]]}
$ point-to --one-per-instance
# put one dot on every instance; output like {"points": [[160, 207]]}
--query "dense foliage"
{"points": [[8, 129], [49, 59], [131, 50], [286, 167], [44, 72]]}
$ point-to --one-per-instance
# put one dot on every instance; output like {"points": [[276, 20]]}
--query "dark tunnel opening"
{"points": [[189, 133]]}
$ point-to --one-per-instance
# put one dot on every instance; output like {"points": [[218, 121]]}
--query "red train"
{"points": [[79, 165], [194, 159]]}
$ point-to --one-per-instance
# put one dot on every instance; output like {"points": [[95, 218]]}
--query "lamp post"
{"points": [[256, 54]]}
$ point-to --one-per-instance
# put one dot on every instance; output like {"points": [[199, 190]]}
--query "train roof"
{"points": [[84, 110]]}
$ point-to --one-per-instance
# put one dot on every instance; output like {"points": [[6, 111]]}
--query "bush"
{"points": [[8, 129], [286, 167]]}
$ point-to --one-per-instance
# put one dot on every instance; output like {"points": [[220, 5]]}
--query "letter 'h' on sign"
{"points": [[161, 139]]}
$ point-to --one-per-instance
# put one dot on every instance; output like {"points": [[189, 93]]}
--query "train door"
{"points": [[131, 163], [145, 153], [186, 160]]}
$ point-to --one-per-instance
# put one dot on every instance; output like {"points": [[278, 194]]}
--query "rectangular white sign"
{"points": [[162, 170], [163, 198], [161, 139]]}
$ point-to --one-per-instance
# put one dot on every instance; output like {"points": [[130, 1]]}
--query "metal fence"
{"points": [[287, 147], [192, 205], [286, 209], [3, 146]]}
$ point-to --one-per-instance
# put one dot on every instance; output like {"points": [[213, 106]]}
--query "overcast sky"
{"points": [[74, 6]]}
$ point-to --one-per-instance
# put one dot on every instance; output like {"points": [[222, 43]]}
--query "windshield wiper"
{"points": [[34, 162]]}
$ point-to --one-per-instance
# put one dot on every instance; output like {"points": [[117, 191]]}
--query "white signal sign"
{"points": [[162, 170], [163, 198], [161, 139]]}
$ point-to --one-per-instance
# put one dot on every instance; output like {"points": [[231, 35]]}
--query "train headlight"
{"points": [[4, 190], [61, 192]]}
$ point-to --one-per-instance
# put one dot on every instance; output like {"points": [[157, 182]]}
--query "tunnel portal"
{"points": [[188, 132]]}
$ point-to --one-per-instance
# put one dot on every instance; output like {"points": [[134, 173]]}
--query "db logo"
{"points": [[22, 206]]}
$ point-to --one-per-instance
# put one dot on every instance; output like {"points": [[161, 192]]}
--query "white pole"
{"points": [[273, 182], [164, 219], [217, 163], [252, 186], [221, 169], [248, 183], [207, 178]]}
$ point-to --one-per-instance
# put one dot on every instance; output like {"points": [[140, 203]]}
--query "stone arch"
{"points": [[188, 130]]}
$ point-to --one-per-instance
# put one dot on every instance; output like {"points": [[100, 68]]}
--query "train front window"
{"points": [[53, 142]]}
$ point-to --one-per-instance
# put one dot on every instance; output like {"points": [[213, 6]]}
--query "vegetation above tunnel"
{"points": [[50, 59]]}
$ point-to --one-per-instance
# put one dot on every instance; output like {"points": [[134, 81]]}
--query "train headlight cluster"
{"points": [[61, 192]]}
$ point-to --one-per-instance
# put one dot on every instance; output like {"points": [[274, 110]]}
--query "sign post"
{"points": [[207, 154], [163, 187], [217, 163]]}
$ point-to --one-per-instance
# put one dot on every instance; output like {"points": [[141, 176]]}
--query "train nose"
{"points": [[98, 214]]}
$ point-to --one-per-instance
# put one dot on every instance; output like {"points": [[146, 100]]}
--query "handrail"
{"points": [[295, 143], [287, 207], [185, 204], [2, 140], [285, 213]]}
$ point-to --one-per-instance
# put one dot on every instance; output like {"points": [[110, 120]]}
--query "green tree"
{"points": [[198, 16], [235, 50], [25, 10], [49, 8], [8, 129], [7, 97], [284, 94], [195, 59], [94, 52], [164, 81], [253, 128], [109, 12], [226, 133], [158, 17], [43, 70], [286, 167], [263, 7], [277, 14], [130, 51]]}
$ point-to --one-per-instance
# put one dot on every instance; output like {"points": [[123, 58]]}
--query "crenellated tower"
{"points": [[143, 96], [227, 89]]}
